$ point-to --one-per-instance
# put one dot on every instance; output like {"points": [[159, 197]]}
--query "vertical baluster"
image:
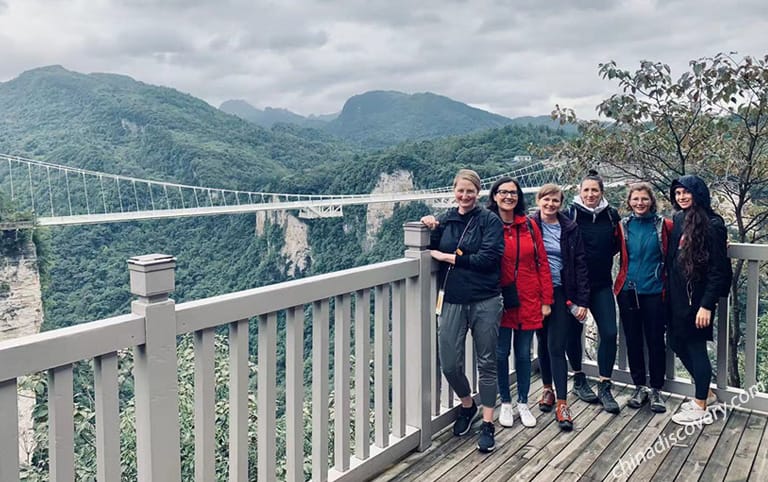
{"points": [[398, 359], [341, 377], [107, 417], [9, 431], [723, 325], [320, 349], [469, 362], [381, 362], [750, 336], [238, 401], [205, 405], [622, 349], [294, 393], [61, 425], [439, 388], [266, 396], [362, 382]]}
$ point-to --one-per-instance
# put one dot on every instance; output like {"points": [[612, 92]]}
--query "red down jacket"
{"points": [[534, 283]]}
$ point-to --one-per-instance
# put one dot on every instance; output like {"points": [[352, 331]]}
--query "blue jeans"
{"points": [[522, 363]]}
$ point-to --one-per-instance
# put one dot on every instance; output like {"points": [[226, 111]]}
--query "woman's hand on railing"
{"points": [[440, 256], [430, 221]]}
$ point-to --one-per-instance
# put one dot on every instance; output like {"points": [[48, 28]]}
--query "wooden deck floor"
{"points": [[601, 447]]}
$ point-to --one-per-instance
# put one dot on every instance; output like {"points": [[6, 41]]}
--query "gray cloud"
{"points": [[512, 57]]}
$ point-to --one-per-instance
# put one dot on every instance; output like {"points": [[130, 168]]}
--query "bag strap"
{"points": [[533, 239], [517, 256]]}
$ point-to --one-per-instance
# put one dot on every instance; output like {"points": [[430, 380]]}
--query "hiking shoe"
{"points": [[582, 389], [507, 415], [639, 397], [486, 443], [547, 400], [696, 416], [657, 403], [528, 419], [712, 401], [606, 398], [563, 416], [464, 419]]}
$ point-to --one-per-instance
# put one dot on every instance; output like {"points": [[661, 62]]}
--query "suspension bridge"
{"points": [[47, 194]]}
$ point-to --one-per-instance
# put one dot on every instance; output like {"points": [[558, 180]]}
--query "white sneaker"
{"points": [[712, 401], [507, 415], [528, 419], [696, 416]]}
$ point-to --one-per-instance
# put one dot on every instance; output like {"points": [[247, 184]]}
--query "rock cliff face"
{"points": [[296, 247], [376, 214], [21, 313]]}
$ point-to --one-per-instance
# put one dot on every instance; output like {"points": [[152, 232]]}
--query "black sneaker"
{"points": [[486, 443], [464, 420], [582, 389], [639, 397], [606, 398], [657, 403]]}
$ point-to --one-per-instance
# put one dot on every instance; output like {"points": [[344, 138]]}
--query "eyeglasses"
{"points": [[505, 193]]}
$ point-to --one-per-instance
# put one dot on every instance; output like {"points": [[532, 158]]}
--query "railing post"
{"points": [[155, 371], [417, 339]]}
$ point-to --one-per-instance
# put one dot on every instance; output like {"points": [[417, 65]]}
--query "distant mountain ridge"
{"points": [[378, 119]]}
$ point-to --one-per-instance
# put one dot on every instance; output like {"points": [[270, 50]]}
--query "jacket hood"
{"points": [[697, 187], [596, 210], [566, 223]]}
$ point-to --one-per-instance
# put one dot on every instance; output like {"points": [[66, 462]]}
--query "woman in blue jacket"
{"points": [[468, 241]]}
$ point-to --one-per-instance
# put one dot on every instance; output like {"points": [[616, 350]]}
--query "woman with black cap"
{"points": [[699, 274]]}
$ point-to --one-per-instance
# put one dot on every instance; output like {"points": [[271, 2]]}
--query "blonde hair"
{"points": [[549, 189], [468, 175], [642, 186]]}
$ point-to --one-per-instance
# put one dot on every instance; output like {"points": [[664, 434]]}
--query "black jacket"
{"points": [[475, 276], [574, 275], [602, 240], [685, 298]]}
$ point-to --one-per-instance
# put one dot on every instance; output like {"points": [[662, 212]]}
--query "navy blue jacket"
{"points": [[574, 275], [475, 276], [686, 297]]}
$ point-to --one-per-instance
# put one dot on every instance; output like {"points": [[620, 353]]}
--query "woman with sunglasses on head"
{"points": [[524, 272], [639, 292], [600, 230], [565, 254], [468, 241], [699, 274]]}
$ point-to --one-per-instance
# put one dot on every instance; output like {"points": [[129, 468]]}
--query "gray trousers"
{"points": [[483, 318]]}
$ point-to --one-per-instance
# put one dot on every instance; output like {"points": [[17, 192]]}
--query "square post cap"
{"points": [[152, 274], [416, 235]]}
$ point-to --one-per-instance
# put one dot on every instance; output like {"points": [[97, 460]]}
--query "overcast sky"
{"points": [[512, 57]]}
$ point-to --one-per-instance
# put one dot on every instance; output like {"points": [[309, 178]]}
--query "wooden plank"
{"points": [[750, 334], [362, 382], [720, 460], [294, 393], [760, 467], [320, 359], [61, 425], [107, 417], [381, 366], [341, 379], [747, 451], [239, 374], [9, 431], [518, 451], [265, 406], [693, 468], [398, 359], [42, 351], [587, 422]]}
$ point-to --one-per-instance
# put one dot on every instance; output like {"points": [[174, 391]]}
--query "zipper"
{"points": [[689, 290]]}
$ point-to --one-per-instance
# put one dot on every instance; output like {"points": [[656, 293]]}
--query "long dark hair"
{"points": [[694, 257], [520, 208]]}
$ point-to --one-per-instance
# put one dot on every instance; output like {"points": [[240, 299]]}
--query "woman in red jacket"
{"points": [[525, 266]]}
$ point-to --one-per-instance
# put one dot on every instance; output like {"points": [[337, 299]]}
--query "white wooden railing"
{"points": [[411, 402]]}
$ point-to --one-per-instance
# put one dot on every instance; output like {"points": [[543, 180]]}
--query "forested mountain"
{"points": [[115, 124], [384, 118], [270, 116]]}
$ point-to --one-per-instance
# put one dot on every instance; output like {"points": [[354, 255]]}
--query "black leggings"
{"points": [[560, 331], [644, 326], [693, 354]]}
